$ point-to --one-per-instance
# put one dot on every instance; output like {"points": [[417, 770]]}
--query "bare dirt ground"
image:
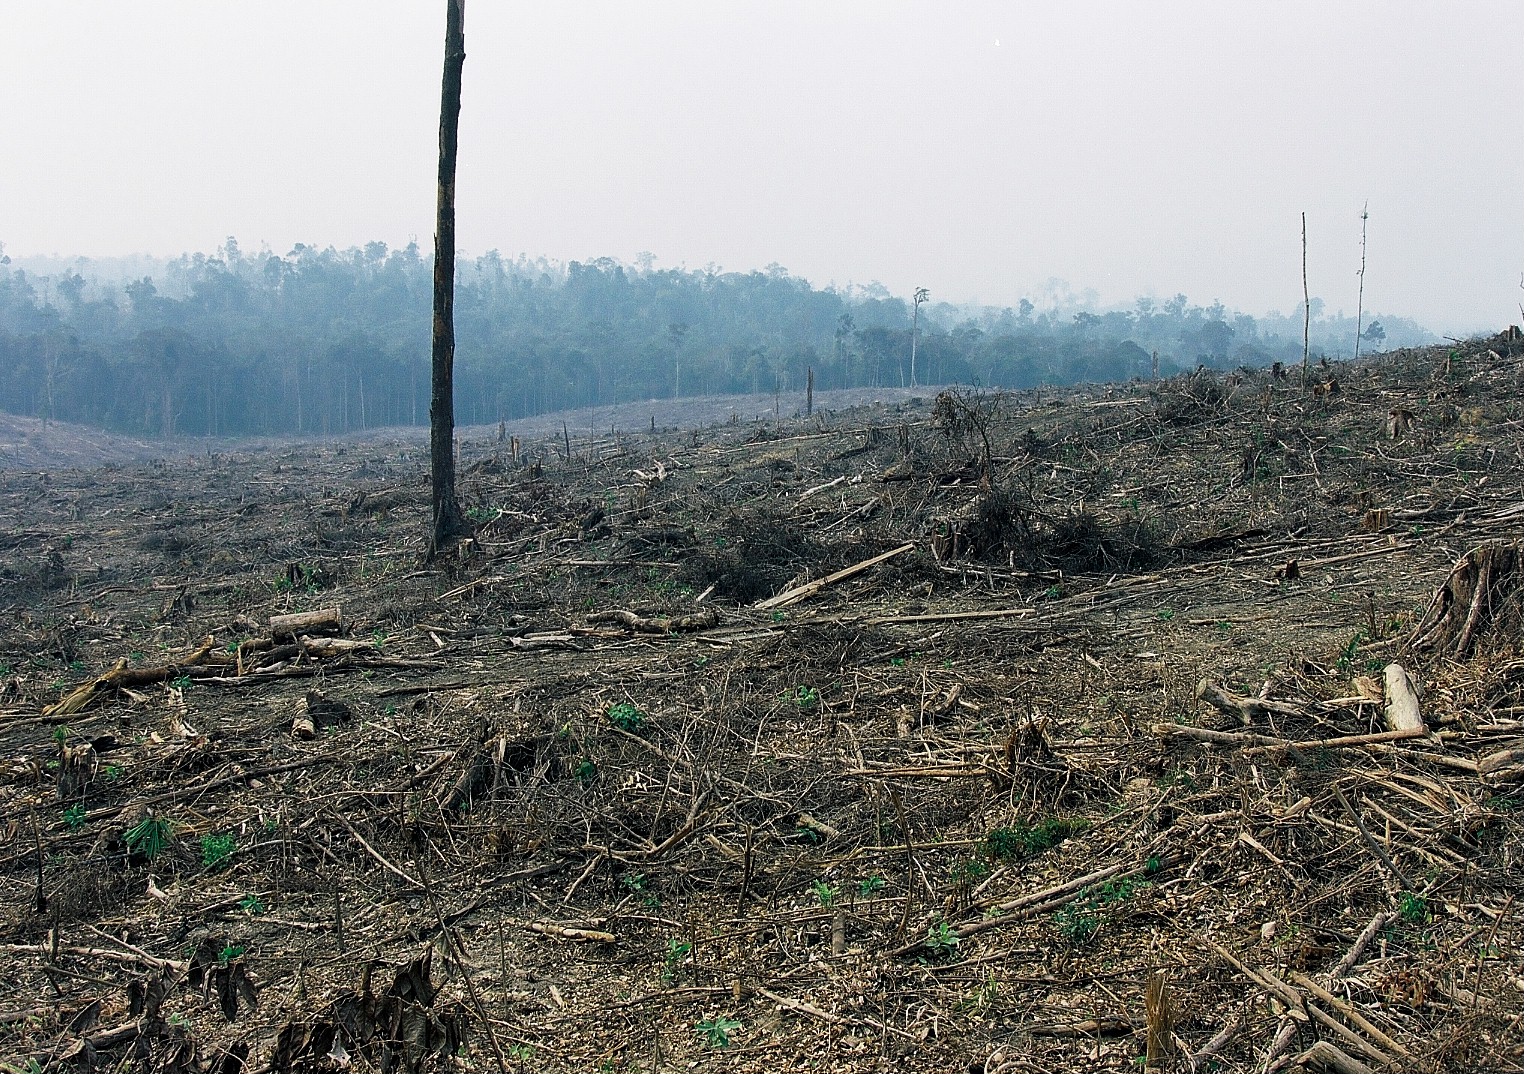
{"points": [[645, 776]]}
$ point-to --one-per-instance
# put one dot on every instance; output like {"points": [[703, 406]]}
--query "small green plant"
{"points": [[1024, 840], [251, 904], [586, 771], [1413, 908], [149, 836], [1053, 592], [897, 661], [825, 893], [870, 886], [968, 870], [230, 952], [113, 772], [942, 940], [217, 850], [74, 816], [1077, 924], [806, 697], [181, 682], [1164, 615], [627, 717], [519, 1053], [716, 1031], [61, 734], [676, 952], [634, 882]]}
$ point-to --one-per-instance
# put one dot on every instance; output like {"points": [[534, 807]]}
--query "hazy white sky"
{"points": [[973, 148]]}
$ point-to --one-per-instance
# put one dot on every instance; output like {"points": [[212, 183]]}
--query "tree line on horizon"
{"points": [[323, 342]]}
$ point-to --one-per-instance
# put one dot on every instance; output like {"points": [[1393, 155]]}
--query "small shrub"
{"points": [[825, 893], [217, 850], [716, 1031], [942, 940], [627, 717]]}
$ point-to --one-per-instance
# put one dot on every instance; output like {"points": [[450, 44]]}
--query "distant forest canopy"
{"points": [[326, 341]]}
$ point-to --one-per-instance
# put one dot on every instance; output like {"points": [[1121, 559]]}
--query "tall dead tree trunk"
{"points": [[448, 521]]}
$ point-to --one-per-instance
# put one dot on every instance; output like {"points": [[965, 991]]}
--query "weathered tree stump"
{"points": [[1480, 599]]}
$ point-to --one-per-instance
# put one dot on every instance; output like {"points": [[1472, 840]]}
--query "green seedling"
{"points": [[942, 940], [806, 697], [251, 904], [676, 952], [825, 893], [716, 1031], [627, 717], [229, 953], [181, 682], [61, 734], [149, 836], [217, 850], [1077, 924], [586, 771], [1025, 840], [1413, 908], [870, 886], [74, 816]]}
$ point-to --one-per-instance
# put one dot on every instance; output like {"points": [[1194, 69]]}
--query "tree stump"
{"points": [[1481, 599]]}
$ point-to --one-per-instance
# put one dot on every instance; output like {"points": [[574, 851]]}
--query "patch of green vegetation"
{"points": [[74, 816], [230, 952], [1024, 840], [716, 1031], [181, 682], [870, 886], [586, 771], [968, 870], [1077, 924], [1164, 615], [217, 850], [627, 717], [251, 904], [150, 836], [825, 893], [1413, 908], [942, 940], [677, 951], [806, 697]]}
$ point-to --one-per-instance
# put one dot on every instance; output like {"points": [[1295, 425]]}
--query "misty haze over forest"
{"points": [[325, 341]]}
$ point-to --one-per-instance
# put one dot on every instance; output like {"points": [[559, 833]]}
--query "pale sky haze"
{"points": [[977, 149]]}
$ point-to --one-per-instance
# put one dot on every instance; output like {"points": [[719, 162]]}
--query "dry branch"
{"points": [[809, 589], [655, 625]]}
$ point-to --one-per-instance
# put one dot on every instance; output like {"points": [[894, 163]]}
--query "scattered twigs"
{"points": [[1371, 843], [121, 676]]}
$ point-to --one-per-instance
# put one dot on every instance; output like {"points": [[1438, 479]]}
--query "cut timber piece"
{"points": [[1245, 708], [1501, 760], [1402, 711], [658, 625], [321, 621], [1325, 1056], [809, 589]]}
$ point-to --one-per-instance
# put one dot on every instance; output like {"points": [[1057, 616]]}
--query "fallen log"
{"points": [[320, 621], [121, 675], [657, 625], [1245, 708], [809, 589]]}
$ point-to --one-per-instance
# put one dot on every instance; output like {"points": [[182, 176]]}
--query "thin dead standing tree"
{"points": [[1365, 214], [448, 520], [1306, 305]]}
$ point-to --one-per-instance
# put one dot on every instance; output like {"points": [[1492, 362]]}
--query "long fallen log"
{"points": [[121, 675], [809, 589], [1248, 738], [658, 625]]}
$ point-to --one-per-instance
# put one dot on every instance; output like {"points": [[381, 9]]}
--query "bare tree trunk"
{"points": [[447, 517], [1306, 305], [1365, 214]]}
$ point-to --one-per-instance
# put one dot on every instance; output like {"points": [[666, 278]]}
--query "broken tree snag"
{"points": [[809, 589], [1402, 711], [1245, 708], [321, 621], [1481, 596], [655, 625]]}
